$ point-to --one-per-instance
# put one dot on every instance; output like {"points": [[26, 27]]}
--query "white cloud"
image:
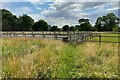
{"points": [[36, 3], [112, 9], [37, 17], [39, 8], [60, 21], [72, 11], [24, 9], [52, 8]]}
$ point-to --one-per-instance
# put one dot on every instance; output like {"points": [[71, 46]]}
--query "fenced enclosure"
{"points": [[62, 59], [73, 36]]}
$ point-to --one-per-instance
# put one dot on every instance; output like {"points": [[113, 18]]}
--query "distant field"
{"points": [[46, 58], [109, 39]]}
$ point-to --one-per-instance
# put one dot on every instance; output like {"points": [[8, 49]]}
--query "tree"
{"points": [[41, 25], [25, 22], [9, 21], [93, 28], [59, 29], [85, 24], [107, 23], [54, 28], [116, 29], [49, 27], [72, 28], [65, 28], [111, 21], [77, 27], [99, 24]]}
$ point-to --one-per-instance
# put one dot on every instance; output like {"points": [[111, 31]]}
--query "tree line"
{"points": [[24, 22]]}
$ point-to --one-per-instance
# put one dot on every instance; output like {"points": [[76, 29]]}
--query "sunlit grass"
{"points": [[109, 39], [97, 61], [46, 58]]}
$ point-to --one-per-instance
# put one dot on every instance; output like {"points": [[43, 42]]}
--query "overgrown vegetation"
{"points": [[46, 58]]}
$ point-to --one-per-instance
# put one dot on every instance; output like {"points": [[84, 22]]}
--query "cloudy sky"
{"points": [[61, 13]]}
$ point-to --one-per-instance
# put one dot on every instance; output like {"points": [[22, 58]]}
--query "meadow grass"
{"points": [[109, 39], [46, 58]]}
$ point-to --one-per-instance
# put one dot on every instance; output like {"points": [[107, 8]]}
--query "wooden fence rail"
{"points": [[100, 37], [78, 36]]}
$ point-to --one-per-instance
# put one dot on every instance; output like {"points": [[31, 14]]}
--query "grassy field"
{"points": [[109, 39], [45, 58]]}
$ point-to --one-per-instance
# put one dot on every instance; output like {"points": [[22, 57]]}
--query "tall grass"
{"points": [[46, 58], [97, 61], [111, 38]]}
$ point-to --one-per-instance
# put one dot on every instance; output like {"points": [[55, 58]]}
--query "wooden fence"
{"points": [[100, 37], [75, 36]]}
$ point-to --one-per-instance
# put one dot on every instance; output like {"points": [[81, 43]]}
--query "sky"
{"points": [[61, 13]]}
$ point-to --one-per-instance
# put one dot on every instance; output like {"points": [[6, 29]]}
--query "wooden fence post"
{"points": [[94, 36], [55, 35], [82, 38], [74, 36], [43, 34], [10, 33], [99, 39], [67, 33], [14, 33], [24, 34], [33, 34], [70, 36], [7, 33]]}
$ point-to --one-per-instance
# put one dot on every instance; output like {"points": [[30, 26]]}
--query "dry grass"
{"points": [[99, 61], [45, 58]]}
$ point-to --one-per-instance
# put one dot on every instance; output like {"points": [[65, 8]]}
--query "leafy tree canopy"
{"points": [[65, 28], [107, 23], [85, 24], [54, 28], [25, 22], [9, 21], [40, 25]]}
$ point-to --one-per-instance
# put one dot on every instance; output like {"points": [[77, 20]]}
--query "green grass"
{"points": [[45, 58], [109, 39]]}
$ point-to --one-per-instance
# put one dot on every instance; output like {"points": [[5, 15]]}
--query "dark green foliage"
{"points": [[106, 23], [116, 28], [41, 25], [9, 21], [72, 28], [26, 22], [54, 28], [77, 27], [85, 24], [65, 28]]}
